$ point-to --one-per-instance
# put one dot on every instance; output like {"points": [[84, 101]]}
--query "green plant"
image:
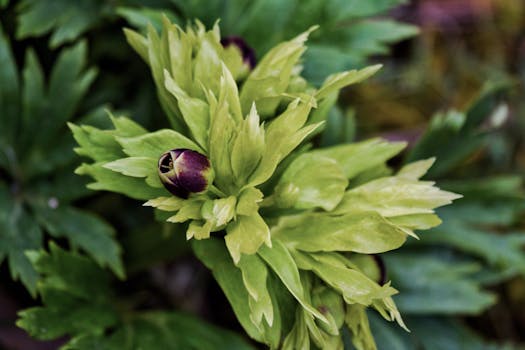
{"points": [[290, 243]]}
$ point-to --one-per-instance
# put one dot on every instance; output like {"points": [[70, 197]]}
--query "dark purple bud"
{"points": [[248, 54], [183, 171]]}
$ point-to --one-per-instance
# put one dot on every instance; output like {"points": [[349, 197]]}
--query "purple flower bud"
{"points": [[248, 54], [183, 171]]}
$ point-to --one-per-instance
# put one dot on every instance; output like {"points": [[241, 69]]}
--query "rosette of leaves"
{"points": [[285, 229], [36, 161]]}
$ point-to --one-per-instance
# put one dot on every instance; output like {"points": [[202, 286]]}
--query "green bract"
{"points": [[296, 221]]}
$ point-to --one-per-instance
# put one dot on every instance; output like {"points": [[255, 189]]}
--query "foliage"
{"points": [[350, 32], [479, 243], [79, 302], [36, 184], [461, 284], [284, 220]]}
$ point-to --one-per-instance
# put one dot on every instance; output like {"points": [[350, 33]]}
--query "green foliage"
{"points": [[349, 32], [79, 302], [297, 221], [453, 136], [65, 19], [286, 213], [431, 334], [479, 243], [36, 186]]}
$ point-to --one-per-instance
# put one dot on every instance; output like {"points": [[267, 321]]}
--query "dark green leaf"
{"points": [[432, 285], [85, 231], [9, 93], [78, 302], [67, 20], [18, 233]]}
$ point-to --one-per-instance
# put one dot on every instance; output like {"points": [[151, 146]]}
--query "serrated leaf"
{"points": [[219, 211], [246, 234], [83, 230], [75, 294], [166, 203], [271, 76], [154, 144], [222, 134], [108, 180], [284, 134], [194, 111], [143, 167], [37, 18], [248, 147], [395, 196], [312, 181], [354, 286], [190, 210], [357, 157], [141, 17], [435, 286], [336, 82], [78, 302], [247, 203], [366, 232]]}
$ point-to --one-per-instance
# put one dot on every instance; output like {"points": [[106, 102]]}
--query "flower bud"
{"points": [[183, 171], [248, 54]]}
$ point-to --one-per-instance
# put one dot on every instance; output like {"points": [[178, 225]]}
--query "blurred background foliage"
{"points": [[452, 86]]}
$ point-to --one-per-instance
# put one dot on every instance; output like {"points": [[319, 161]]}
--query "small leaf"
{"points": [[219, 211], [108, 180], [282, 136], [247, 204], [338, 81], [248, 147], [271, 76], [143, 167], [246, 234], [154, 144], [195, 112]]}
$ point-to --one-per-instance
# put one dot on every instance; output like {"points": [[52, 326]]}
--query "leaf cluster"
{"points": [[289, 228]]}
